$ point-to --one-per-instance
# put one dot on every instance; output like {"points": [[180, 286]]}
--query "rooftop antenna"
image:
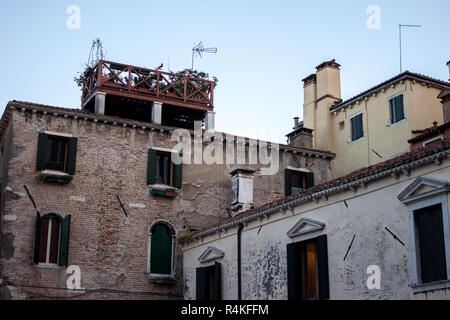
{"points": [[96, 53], [400, 37], [199, 49]]}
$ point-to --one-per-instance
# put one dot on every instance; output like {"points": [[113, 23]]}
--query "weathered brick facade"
{"points": [[110, 248]]}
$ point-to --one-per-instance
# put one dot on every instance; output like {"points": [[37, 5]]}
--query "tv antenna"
{"points": [[400, 26], [96, 53], [199, 49]]}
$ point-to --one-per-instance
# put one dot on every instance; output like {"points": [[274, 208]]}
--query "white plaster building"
{"points": [[392, 217]]}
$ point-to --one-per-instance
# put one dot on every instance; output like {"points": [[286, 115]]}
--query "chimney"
{"points": [[448, 65], [241, 190], [328, 92], [445, 100], [301, 137], [296, 123], [309, 100]]}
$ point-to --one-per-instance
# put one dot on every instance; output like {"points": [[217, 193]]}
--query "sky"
{"points": [[264, 49]]}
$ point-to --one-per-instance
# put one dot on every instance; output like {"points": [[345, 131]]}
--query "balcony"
{"points": [[130, 82]]}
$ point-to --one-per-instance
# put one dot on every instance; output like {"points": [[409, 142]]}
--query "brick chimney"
{"points": [[241, 190], [301, 136]]}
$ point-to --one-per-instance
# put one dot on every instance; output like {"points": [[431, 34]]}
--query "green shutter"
{"points": [[177, 176], [64, 242], [71, 156], [309, 180], [322, 267], [41, 152], [357, 127], [287, 182], [399, 110], [161, 250], [392, 107], [151, 166], [37, 238], [201, 290]]}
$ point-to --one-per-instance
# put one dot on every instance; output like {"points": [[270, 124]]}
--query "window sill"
{"points": [[55, 176], [396, 123], [163, 190], [161, 278], [48, 266], [419, 288], [357, 140]]}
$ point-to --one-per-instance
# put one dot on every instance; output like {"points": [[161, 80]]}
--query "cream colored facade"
{"points": [[329, 117]]}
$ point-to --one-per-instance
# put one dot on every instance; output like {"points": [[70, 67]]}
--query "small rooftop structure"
{"points": [[148, 95]]}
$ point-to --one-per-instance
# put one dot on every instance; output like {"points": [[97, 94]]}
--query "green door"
{"points": [[161, 250]]}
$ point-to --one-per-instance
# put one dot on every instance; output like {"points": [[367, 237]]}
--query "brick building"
{"points": [[92, 191]]}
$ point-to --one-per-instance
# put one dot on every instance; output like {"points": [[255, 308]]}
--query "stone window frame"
{"points": [[390, 123], [48, 265], [416, 202], [351, 141], [149, 249]]}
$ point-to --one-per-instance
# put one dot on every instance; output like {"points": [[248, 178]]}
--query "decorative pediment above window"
{"points": [[423, 187], [210, 254], [305, 226]]}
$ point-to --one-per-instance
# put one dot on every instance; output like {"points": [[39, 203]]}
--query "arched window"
{"points": [[162, 248], [51, 243]]}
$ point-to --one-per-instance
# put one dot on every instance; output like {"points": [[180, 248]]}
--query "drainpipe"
{"points": [[241, 226]]}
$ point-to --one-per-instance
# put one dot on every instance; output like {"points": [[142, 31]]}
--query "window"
{"points": [[297, 181], [430, 237], [161, 169], [162, 248], [209, 283], [428, 215], [357, 127], [308, 269], [51, 243], [396, 108], [56, 153]]}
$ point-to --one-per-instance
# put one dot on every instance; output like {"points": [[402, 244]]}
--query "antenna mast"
{"points": [[400, 38], [199, 49]]}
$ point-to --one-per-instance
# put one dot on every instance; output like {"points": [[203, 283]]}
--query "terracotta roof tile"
{"points": [[354, 176]]}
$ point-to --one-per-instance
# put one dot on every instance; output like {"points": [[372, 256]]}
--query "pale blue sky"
{"points": [[264, 49]]}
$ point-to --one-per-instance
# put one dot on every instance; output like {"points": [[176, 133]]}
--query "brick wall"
{"points": [[110, 248]]}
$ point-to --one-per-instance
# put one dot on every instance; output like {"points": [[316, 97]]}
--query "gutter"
{"points": [[379, 87], [239, 262], [325, 193]]}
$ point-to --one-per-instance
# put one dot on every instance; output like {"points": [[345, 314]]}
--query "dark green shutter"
{"points": [[287, 182], [151, 166], [71, 156], [37, 238], [64, 242], [309, 180], [177, 176], [217, 278], [200, 284], [357, 127], [293, 271], [399, 110], [41, 152], [161, 250], [322, 267]]}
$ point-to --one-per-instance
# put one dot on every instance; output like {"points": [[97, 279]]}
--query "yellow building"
{"points": [[373, 126]]}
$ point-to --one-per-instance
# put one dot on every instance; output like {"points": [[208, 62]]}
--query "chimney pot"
{"points": [[296, 123]]}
